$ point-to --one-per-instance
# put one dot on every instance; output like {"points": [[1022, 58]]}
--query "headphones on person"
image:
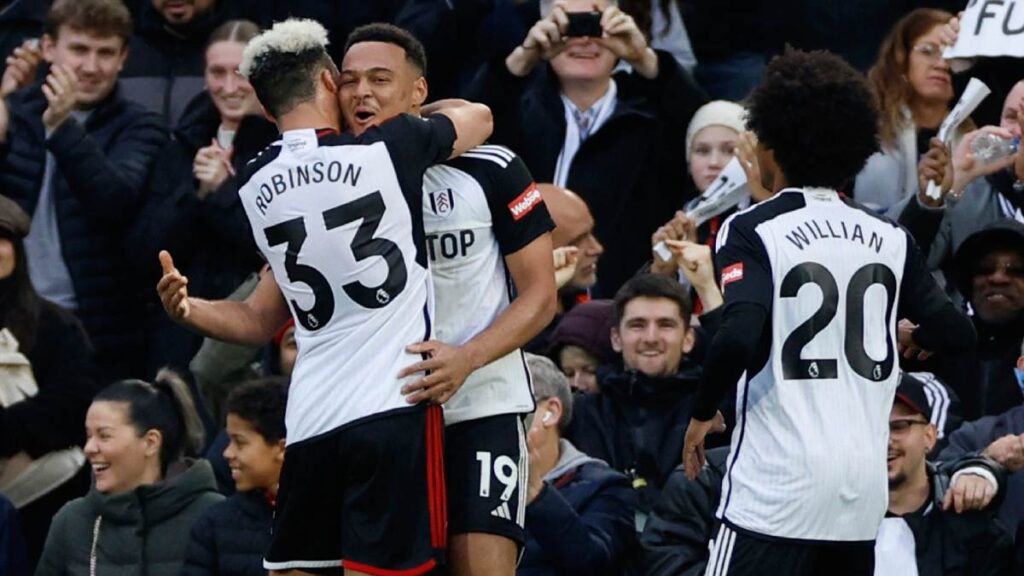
{"points": [[547, 417]]}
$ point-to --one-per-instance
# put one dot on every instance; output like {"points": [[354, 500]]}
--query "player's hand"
{"points": [[905, 341], [566, 259], [446, 367], [61, 91], [935, 166], [693, 445], [966, 168], [535, 483], [173, 289], [746, 148], [969, 492], [211, 167], [624, 39], [1008, 451], [21, 67], [695, 262], [680, 227]]}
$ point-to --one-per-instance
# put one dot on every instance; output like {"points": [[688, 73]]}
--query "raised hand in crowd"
{"points": [[905, 341], [566, 259], [626, 41], [1008, 451], [966, 168], [173, 289], [696, 263], [21, 67], [935, 166], [951, 31], [969, 492], [211, 167], [545, 40], [680, 227], [61, 91]]}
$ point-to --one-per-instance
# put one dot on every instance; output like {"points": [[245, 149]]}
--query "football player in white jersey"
{"points": [[339, 219], [487, 232], [813, 286]]}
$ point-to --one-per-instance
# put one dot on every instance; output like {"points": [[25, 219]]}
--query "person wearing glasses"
{"points": [[937, 524], [913, 87]]}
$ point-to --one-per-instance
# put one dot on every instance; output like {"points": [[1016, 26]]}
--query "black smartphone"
{"points": [[584, 24]]}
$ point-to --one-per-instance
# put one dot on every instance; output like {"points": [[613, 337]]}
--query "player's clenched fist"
{"points": [[173, 288]]}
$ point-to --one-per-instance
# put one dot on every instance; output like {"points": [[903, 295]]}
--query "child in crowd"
{"points": [[231, 537]]}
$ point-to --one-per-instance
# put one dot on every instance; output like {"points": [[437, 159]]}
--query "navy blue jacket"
{"points": [[98, 189], [231, 537], [13, 559], [581, 523]]}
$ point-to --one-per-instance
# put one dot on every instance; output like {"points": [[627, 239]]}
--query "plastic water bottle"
{"points": [[988, 147]]}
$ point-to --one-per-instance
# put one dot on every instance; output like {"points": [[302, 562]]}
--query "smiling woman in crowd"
{"points": [[913, 87], [146, 494]]}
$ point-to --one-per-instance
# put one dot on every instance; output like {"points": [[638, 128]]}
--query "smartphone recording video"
{"points": [[584, 24]]}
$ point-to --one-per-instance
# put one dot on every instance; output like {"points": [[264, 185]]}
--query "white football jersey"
{"points": [[808, 458], [477, 209], [339, 220]]}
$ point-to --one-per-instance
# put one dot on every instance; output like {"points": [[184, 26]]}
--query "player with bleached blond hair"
{"points": [[339, 219]]}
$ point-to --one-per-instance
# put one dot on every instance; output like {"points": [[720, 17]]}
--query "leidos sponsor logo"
{"points": [[525, 202], [732, 274]]}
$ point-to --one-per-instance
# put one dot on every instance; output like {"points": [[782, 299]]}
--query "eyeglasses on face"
{"points": [[901, 425]]}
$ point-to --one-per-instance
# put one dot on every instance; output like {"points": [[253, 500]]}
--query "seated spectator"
{"points": [[193, 209], [13, 551], [76, 157], [614, 138], [973, 194], [146, 495], [1000, 438], [230, 538], [929, 529], [579, 513], [43, 348], [938, 522], [581, 342], [637, 423], [989, 273], [164, 70], [913, 86]]}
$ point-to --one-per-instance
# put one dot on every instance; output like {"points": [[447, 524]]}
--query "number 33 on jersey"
{"points": [[339, 220]]}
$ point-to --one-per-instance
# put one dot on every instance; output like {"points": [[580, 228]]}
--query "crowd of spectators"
{"points": [[123, 125]]}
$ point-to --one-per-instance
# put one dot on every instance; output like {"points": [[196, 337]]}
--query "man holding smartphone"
{"points": [[608, 121]]}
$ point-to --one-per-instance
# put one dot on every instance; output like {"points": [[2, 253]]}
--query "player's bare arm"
{"points": [[532, 270], [473, 122], [251, 322]]}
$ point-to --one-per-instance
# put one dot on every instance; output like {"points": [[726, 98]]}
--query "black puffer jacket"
{"points": [[210, 238], [675, 540], [98, 189], [231, 537]]}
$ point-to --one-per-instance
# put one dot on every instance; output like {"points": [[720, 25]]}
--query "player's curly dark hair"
{"points": [[283, 80], [816, 113]]}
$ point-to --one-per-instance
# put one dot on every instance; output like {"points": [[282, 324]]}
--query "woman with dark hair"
{"points": [[913, 88], [35, 427], [146, 493]]}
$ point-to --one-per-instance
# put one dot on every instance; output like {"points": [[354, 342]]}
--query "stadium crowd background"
{"points": [[136, 156]]}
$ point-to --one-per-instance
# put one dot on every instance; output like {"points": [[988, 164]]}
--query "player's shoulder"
{"points": [[860, 209], [261, 160], [485, 158], [756, 214]]}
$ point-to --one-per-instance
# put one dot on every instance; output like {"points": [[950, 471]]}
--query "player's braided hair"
{"points": [[816, 113], [284, 63]]}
